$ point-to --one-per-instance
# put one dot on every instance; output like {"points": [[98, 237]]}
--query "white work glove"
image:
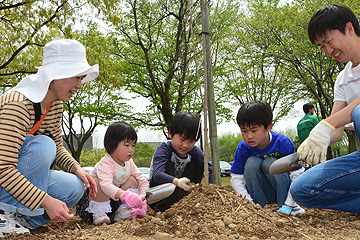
{"points": [[313, 150], [294, 174], [238, 184], [184, 183]]}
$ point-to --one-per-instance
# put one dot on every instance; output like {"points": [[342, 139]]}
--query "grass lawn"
{"points": [[225, 181]]}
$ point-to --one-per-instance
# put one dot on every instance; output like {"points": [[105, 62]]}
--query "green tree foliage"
{"points": [[260, 50], [312, 72], [26, 26], [143, 154], [223, 17], [153, 43], [89, 158], [254, 70], [277, 31], [153, 40], [272, 59], [227, 146]]}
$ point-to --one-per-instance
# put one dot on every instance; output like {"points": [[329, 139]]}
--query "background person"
{"points": [[307, 123], [31, 194]]}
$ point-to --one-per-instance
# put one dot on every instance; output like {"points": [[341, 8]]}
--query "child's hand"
{"points": [[247, 195], [184, 183], [139, 212], [133, 200]]}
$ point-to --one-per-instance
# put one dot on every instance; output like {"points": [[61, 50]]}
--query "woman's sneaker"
{"points": [[100, 218], [9, 225]]}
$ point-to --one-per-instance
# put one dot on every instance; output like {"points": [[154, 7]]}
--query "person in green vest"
{"points": [[307, 123]]}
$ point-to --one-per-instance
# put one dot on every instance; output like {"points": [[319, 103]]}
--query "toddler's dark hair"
{"points": [[117, 132], [186, 124], [254, 113]]}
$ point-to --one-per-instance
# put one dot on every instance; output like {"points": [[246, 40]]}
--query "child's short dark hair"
{"points": [[186, 124], [307, 107], [254, 113], [331, 17], [117, 132]]}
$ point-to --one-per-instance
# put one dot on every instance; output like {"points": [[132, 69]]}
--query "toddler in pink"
{"points": [[118, 179]]}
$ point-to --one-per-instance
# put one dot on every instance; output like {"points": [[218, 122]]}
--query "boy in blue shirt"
{"points": [[254, 155], [179, 161]]}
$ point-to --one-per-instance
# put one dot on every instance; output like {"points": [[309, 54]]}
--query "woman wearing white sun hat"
{"points": [[30, 193]]}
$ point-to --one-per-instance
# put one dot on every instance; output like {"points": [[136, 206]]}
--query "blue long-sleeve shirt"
{"points": [[279, 146]]}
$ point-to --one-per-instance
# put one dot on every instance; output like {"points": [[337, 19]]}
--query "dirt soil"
{"points": [[211, 212]]}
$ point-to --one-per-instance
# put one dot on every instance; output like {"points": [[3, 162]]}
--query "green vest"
{"points": [[305, 125]]}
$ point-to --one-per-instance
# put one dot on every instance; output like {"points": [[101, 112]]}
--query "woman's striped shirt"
{"points": [[17, 117]]}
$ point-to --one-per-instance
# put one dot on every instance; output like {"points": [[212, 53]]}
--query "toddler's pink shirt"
{"points": [[111, 176]]}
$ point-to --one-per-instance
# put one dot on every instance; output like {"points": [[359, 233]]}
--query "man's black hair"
{"points": [[254, 113], [117, 132], [307, 107], [331, 17], [186, 124]]}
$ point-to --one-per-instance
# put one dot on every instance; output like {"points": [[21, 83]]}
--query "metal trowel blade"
{"points": [[159, 192], [285, 164]]}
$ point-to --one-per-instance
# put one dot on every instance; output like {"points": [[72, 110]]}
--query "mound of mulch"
{"points": [[211, 212]]}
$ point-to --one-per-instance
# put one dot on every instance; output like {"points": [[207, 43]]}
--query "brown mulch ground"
{"points": [[211, 212]]}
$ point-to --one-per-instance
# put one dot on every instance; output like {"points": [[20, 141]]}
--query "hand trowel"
{"points": [[285, 164], [159, 192]]}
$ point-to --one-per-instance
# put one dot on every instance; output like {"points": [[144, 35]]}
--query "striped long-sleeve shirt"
{"points": [[17, 117]]}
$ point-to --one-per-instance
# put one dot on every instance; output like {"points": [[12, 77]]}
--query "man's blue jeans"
{"points": [[264, 187], [34, 161], [333, 184]]}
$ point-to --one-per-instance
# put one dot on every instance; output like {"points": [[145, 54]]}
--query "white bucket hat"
{"points": [[63, 58]]}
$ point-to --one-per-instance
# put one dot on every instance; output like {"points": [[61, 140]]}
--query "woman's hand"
{"points": [[86, 178], [56, 209]]}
